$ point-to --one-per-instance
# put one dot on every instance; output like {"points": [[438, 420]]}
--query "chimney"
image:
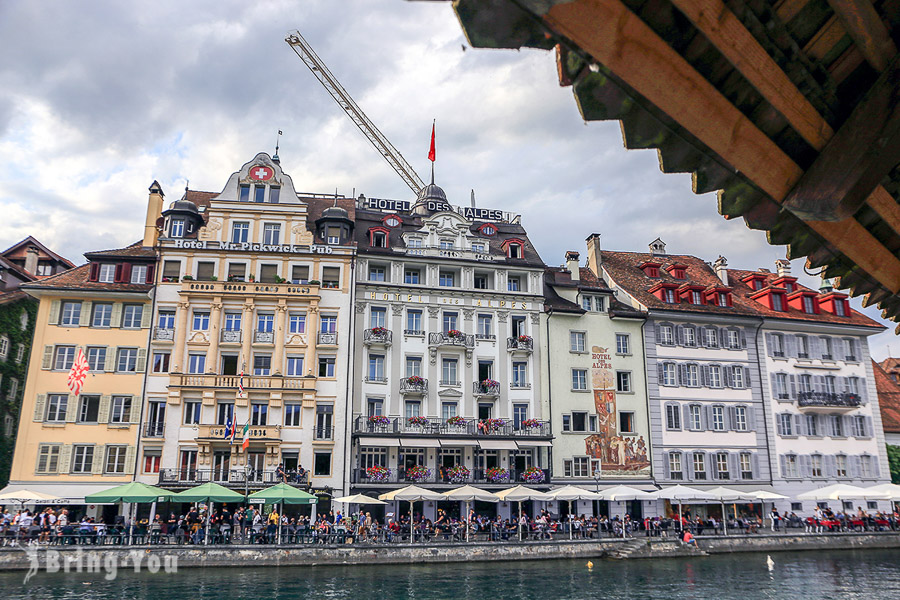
{"points": [[31, 259], [721, 269], [572, 264], [783, 267], [154, 212], [658, 247], [595, 260]]}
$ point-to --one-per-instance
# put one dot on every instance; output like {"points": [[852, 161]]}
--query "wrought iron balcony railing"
{"points": [[327, 338], [463, 340], [828, 400], [228, 336], [163, 334], [414, 385], [377, 336], [522, 343], [263, 337]]}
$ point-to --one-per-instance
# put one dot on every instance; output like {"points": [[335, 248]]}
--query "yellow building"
{"points": [[71, 446]]}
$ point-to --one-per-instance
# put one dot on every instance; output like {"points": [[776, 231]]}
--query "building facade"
{"points": [[447, 348], [594, 383], [251, 328], [71, 445], [888, 404]]}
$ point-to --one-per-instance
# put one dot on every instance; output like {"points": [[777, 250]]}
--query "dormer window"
{"points": [[107, 273], [378, 238], [756, 284], [669, 296], [676, 271], [139, 274], [446, 244], [392, 221], [478, 247], [789, 287], [650, 269], [414, 243], [176, 228], [333, 235], [274, 194], [695, 297], [835, 303], [809, 305], [514, 250], [488, 230], [259, 193], [839, 308], [244, 193]]}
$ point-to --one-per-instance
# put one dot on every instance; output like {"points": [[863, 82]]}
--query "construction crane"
{"points": [[340, 95]]}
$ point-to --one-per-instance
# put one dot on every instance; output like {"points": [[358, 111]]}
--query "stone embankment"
{"points": [[12, 558]]}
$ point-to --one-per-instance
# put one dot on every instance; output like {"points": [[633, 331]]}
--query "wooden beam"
{"points": [[885, 206], [859, 156], [617, 38], [825, 39], [788, 9], [867, 30]]}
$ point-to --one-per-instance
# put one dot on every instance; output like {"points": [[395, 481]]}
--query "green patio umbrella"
{"points": [[208, 492], [282, 493], [131, 493]]}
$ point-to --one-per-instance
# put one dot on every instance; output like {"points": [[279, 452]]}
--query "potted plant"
{"points": [[456, 421], [379, 330], [531, 423], [418, 421], [533, 475], [491, 425], [524, 339], [188, 278], [455, 334], [279, 279], [213, 278], [458, 474], [497, 474], [379, 420], [414, 380], [378, 474], [313, 282], [418, 473], [253, 278]]}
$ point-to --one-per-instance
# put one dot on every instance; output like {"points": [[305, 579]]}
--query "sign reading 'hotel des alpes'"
{"points": [[619, 454]]}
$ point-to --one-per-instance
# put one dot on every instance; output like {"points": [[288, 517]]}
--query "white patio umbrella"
{"points": [[519, 494], [723, 495], [25, 496], [411, 493], [569, 493], [766, 496], [468, 494], [682, 493], [621, 493], [843, 491], [359, 499], [892, 489]]}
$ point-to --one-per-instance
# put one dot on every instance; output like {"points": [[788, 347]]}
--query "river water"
{"points": [[864, 574]]}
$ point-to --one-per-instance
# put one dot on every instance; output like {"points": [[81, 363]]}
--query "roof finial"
{"points": [[277, 139], [335, 197], [187, 184], [432, 153]]}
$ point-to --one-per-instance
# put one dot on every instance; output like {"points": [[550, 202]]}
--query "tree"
{"points": [[893, 453]]}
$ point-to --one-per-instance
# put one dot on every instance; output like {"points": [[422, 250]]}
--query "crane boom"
{"points": [[340, 95]]}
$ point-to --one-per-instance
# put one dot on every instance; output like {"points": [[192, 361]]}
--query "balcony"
{"points": [[230, 337], [414, 332], [485, 337], [375, 379], [486, 389], [377, 336], [452, 338], [323, 434], [827, 402], [522, 343], [455, 426], [242, 288], [256, 432], [268, 382], [327, 338], [505, 477], [154, 429], [376, 424], [440, 476], [414, 386], [161, 334], [231, 478], [263, 337]]}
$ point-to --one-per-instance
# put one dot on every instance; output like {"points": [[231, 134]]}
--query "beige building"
{"points": [[70, 445]]}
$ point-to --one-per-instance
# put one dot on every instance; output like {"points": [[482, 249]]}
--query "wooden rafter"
{"points": [[865, 27]]}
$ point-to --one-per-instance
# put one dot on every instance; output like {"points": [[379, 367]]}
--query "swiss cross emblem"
{"points": [[261, 173]]}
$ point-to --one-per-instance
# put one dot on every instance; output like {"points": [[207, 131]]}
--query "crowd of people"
{"points": [[250, 525]]}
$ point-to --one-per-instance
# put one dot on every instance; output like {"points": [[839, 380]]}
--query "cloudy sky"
{"points": [[98, 99]]}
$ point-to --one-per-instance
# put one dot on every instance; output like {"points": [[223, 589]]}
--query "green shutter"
{"points": [[135, 410], [146, 315], [39, 402], [103, 409], [129, 459], [110, 364], [97, 464], [47, 359], [54, 312], [71, 408], [116, 320], [85, 319], [141, 360], [65, 459]]}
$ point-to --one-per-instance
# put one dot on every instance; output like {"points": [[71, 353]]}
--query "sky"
{"points": [[100, 98]]}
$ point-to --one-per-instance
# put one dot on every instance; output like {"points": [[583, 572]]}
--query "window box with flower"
{"points": [[417, 473], [378, 474], [533, 475], [457, 474], [497, 475]]}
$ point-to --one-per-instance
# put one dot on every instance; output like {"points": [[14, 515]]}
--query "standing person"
{"points": [[776, 519]]}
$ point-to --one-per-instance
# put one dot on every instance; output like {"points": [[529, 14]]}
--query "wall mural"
{"points": [[619, 455]]}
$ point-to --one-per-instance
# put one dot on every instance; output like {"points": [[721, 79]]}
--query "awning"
{"points": [[420, 443], [379, 441], [458, 443], [534, 443], [497, 445]]}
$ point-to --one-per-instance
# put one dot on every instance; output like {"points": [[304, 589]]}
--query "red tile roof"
{"points": [[77, 279], [888, 399], [135, 250]]}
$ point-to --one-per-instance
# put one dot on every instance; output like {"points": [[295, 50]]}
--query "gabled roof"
{"points": [[888, 399], [77, 279], [30, 240], [135, 250]]}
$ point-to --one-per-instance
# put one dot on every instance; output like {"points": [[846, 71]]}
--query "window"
{"points": [[328, 323], [120, 409], [691, 375], [414, 321], [379, 239], [722, 465], [786, 424], [478, 247], [331, 277], [259, 414], [849, 352], [567, 422], [166, 319], [272, 233], [376, 273], [131, 316], [746, 465], [665, 335], [777, 302], [695, 297], [196, 363], [734, 339], [737, 377], [815, 465], [839, 308], [333, 235], [240, 232], [626, 422], [675, 471], [740, 418], [446, 244], [65, 356], [802, 346], [161, 362], [668, 296], [176, 228], [412, 408], [699, 463], [265, 322], [515, 250], [206, 270], [322, 464], [623, 381], [579, 379], [139, 274], [840, 465], [107, 273], [576, 341], [268, 273], [12, 389], [449, 374], [56, 407], [865, 461], [722, 298], [300, 274], [718, 418], [232, 321], [377, 317], [297, 323], [623, 343], [519, 375], [262, 364], [513, 284], [812, 426], [586, 303], [70, 314], [667, 374], [579, 421], [292, 414], [695, 420], [89, 410], [711, 337], [580, 466], [715, 376], [777, 344], [446, 279], [376, 368], [102, 315], [411, 276], [115, 459], [274, 193], [82, 459], [809, 306], [295, 366], [488, 230], [413, 366], [414, 243], [20, 352], [224, 412], [481, 281], [152, 460], [191, 412], [326, 366], [201, 321], [324, 429], [48, 458], [485, 326], [853, 385], [690, 336], [827, 353], [126, 361], [171, 270], [781, 386], [449, 319], [790, 466], [673, 417], [520, 413], [859, 426]]}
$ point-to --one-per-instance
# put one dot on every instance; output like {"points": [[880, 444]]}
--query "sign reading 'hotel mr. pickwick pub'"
{"points": [[426, 299], [251, 247]]}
